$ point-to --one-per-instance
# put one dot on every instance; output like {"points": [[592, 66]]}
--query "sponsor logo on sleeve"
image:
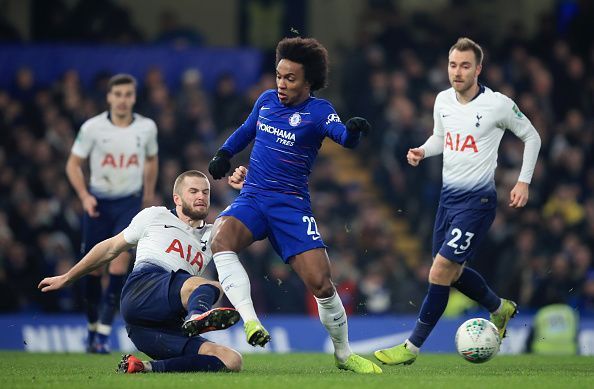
{"points": [[333, 118]]}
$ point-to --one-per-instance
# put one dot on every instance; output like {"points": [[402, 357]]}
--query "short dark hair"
{"points": [[121, 79], [311, 54], [181, 178], [465, 44]]}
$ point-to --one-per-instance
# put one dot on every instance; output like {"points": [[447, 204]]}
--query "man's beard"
{"points": [[193, 215]]}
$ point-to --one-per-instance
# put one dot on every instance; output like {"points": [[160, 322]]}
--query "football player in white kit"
{"points": [[469, 122], [121, 147], [166, 302]]}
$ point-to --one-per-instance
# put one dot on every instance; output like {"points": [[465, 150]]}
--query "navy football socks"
{"points": [[188, 363], [92, 293], [202, 299], [433, 307], [111, 298], [474, 286]]}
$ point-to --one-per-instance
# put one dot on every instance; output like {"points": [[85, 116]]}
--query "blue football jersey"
{"points": [[287, 140]]}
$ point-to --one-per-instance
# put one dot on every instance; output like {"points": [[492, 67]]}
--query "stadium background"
{"points": [[201, 65]]}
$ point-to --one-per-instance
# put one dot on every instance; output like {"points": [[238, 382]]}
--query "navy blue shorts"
{"points": [[152, 308], [114, 216], [458, 232], [286, 220]]}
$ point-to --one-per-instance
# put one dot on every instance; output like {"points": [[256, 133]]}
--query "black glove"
{"points": [[220, 164], [357, 124]]}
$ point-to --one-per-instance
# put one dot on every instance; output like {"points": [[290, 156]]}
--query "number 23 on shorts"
{"points": [[457, 235]]}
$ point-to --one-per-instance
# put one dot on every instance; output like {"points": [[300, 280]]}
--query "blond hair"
{"points": [[180, 179]]}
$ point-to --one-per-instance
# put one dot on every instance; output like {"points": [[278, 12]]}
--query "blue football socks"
{"points": [[111, 298], [433, 307], [202, 299], [474, 286], [188, 363]]}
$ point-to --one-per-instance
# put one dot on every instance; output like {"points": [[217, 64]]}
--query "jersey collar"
{"points": [[481, 90], [111, 121]]}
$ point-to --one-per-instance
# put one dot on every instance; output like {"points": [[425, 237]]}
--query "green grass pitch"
{"points": [[27, 370]]}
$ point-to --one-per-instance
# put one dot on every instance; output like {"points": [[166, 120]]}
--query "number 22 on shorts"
{"points": [[312, 227]]}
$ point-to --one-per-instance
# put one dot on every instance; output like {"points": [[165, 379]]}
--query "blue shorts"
{"points": [[152, 308], [286, 220], [114, 216], [458, 232]]}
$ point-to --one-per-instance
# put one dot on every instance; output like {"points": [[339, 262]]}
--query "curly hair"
{"points": [[311, 54]]}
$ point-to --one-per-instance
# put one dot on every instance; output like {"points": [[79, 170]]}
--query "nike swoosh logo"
{"points": [[263, 108], [168, 226], [339, 317], [458, 252], [444, 116], [316, 237]]}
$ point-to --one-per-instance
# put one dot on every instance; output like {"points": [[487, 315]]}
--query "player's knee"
{"points": [[443, 273], [218, 243], [322, 288], [233, 361]]}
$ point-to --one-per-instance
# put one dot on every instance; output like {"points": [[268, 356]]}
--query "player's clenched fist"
{"points": [[414, 156], [220, 164], [237, 178], [357, 124]]}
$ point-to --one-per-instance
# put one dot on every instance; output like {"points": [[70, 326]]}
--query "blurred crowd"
{"points": [[537, 256]]}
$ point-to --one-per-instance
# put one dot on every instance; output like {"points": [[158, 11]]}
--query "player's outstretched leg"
{"points": [[501, 316], [358, 364], [212, 320], [187, 363], [255, 333], [397, 355]]}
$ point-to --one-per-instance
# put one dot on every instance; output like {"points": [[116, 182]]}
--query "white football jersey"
{"points": [[162, 239], [116, 154], [471, 135]]}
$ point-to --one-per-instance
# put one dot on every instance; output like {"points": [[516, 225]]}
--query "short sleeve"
{"points": [[152, 147], [135, 230], [84, 142]]}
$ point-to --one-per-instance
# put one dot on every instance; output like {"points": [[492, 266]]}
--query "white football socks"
{"points": [[411, 347], [103, 329], [334, 318], [235, 283]]}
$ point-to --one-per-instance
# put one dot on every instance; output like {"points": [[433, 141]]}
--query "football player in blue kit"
{"points": [[287, 126]]}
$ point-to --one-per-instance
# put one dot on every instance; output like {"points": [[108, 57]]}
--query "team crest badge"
{"points": [[294, 120]]}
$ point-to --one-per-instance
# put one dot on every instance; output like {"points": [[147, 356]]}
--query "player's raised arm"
{"points": [[99, 255], [220, 164]]}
